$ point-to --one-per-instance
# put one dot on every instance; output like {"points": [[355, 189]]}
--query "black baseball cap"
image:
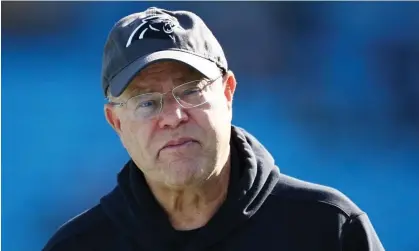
{"points": [[154, 35]]}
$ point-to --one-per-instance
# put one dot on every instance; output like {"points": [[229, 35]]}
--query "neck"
{"points": [[193, 206]]}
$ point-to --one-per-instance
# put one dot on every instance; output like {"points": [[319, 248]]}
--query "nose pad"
{"points": [[171, 113], [168, 100]]}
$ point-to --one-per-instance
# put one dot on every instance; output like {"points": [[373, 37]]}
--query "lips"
{"points": [[177, 143]]}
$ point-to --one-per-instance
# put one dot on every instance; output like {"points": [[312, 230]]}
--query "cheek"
{"points": [[129, 135], [134, 138], [215, 121], [218, 112]]}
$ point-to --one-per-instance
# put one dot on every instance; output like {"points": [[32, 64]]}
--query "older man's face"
{"points": [[178, 146]]}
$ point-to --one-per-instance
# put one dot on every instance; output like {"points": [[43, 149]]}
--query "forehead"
{"points": [[150, 77], [162, 71]]}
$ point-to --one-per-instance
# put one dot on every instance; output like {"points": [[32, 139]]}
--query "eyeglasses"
{"points": [[189, 95]]}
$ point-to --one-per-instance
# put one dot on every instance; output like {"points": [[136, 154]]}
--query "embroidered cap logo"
{"points": [[157, 26]]}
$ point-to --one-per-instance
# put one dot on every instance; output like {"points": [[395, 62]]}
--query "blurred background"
{"points": [[330, 88]]}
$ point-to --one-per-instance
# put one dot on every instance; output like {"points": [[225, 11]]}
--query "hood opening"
{"points": [[133, 209]]}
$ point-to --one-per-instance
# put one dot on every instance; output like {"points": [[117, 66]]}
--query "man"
{"points": [[195, 182]]}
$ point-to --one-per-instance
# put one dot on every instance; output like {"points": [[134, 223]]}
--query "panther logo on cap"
{"points": [[157, 26]]}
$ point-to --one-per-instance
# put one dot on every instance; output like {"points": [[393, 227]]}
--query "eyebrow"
{"points": [[191, 75], [138, 91]]}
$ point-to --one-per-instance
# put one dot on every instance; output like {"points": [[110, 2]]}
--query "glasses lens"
{"points": [[193, 93], [145, 105]]}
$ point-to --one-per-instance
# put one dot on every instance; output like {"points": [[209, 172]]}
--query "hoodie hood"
{"points": [[133, 209]]}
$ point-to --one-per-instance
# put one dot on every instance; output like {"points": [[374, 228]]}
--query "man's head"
{"points": [[170, 95]]}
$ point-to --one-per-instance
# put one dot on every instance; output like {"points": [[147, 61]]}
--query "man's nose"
{"points": [[172, 113]]}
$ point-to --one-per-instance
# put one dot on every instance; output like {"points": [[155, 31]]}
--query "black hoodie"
{"points": [[264, 210]]}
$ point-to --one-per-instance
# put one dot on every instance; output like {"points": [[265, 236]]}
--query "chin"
{"points": [[184, 172]]}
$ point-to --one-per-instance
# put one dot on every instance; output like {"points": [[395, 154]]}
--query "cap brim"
{"points": [[120, 82]]}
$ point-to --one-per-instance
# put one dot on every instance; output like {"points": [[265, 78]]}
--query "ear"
{"points": [[230, 87], [112, 118]]}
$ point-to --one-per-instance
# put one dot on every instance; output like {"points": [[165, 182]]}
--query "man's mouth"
{"points": [[181, 142]]}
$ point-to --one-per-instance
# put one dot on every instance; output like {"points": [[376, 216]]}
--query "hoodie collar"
{"points": [[133, 208]]}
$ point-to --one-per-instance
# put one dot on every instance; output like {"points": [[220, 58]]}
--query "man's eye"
{"points": [[147, 103], [191, 91]]}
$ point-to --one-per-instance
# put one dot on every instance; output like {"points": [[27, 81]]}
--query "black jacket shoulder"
{"points": [[312, 208], [301, 192], [80, 228]]}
